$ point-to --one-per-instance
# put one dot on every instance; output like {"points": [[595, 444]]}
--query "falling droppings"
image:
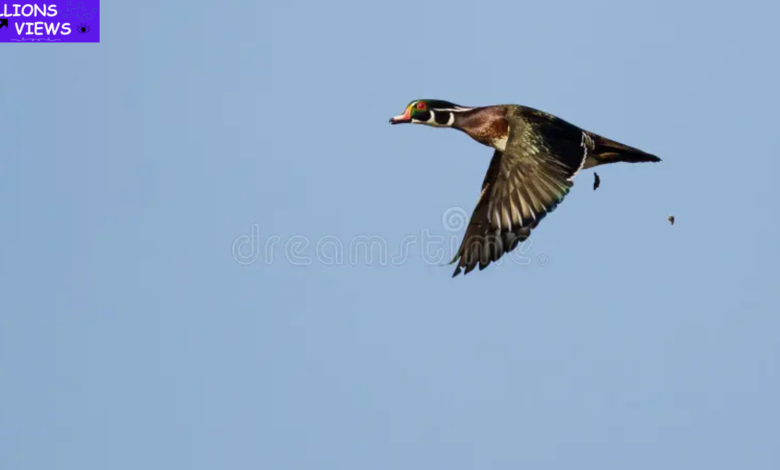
{"points": [[596, 181]]}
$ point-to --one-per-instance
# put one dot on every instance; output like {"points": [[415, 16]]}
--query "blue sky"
{"points": [[162, 192]]}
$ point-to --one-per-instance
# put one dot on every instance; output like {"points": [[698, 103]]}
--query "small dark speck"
{"points": [[596, 181], [671, 219]]}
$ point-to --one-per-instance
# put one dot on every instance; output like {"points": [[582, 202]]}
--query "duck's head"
{"points": [[435, 113]]}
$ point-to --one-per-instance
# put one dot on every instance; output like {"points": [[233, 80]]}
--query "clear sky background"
{"points": [[163, 194]]}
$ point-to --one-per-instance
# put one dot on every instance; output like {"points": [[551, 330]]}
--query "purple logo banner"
{"points": [[50, 21]]}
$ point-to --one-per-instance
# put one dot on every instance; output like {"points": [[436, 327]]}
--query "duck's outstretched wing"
{"points": [[523, 184]]}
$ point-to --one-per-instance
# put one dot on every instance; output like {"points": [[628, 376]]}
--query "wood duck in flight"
{"points": [[535, 160]]}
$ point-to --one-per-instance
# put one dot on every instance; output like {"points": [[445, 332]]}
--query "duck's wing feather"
{"points": [[523, 184]]}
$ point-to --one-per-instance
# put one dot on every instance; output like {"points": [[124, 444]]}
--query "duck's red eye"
{"points": [[420, 105]]}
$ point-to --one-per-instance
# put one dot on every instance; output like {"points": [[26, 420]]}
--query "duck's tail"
{"points": [[608, 151]]}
